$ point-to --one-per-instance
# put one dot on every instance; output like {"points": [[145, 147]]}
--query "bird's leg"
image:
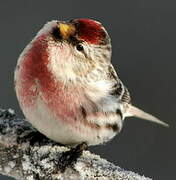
{"points": [[33, 138], [70, 157]]}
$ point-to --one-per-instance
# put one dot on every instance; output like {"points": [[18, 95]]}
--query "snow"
{"points": [[24, 162], [11, 111]]}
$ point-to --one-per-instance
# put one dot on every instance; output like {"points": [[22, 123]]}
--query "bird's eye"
{"points": [[79, 47]]}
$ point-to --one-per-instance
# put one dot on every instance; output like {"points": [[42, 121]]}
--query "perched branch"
{"points": [[23, 161]]}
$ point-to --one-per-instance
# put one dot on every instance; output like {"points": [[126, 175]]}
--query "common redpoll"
{"points": [[67, 87]]}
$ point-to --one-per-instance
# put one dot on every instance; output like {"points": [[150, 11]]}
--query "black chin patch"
{"points": [[56, 34]]}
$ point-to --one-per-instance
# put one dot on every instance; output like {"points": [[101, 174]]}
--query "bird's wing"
{"points": [[123, 95], [118, 90]]}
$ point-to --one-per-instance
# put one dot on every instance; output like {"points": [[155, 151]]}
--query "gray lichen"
{"points": [[40, 161]]}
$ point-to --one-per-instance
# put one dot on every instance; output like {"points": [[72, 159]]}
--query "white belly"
{"points": [[56, 129]]}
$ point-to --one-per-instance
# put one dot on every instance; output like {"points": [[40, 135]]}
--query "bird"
{"points": [[68, 88]]}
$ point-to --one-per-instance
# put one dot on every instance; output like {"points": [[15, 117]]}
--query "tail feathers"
{"points": [[134, 111]]}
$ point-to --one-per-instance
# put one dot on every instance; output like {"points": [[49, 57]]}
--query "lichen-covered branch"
{"points": [[40, 161]]}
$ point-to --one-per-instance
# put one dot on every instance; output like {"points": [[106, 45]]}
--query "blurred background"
{"points": [[143, 36]]}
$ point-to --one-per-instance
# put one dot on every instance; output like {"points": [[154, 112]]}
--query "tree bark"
{"points": [[41, 160]]}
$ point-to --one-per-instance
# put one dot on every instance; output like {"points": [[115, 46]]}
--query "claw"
{"points": [[70, 157], [33, 138]]}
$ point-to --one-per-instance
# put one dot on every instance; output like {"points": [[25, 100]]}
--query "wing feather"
{"points": [[118, 90]]}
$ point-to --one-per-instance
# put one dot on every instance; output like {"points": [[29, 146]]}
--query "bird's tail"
{"points": [[134, 111]]}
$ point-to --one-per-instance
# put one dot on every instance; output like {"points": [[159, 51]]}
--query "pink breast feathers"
{"points": [[36, 81]]}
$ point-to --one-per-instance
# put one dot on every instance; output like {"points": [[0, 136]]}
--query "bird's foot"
{"points": [[33, 138], [70, 157]]}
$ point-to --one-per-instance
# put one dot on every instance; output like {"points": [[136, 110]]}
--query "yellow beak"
{"points": [[66, 30]]}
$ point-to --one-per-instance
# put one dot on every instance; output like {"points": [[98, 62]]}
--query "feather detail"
{"points": [[134, 111], [118, 90], [90, 31], [126, 96]]}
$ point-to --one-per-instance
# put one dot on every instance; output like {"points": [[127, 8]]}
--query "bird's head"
{"points": [[73, 47]]}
